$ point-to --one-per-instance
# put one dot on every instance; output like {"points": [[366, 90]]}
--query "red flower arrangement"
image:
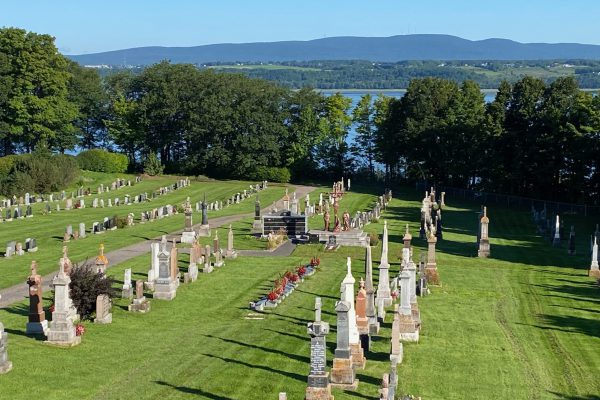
{"points": [[272, 296], [51, 308], [294, 278], [79, 330], [315, 261], [301, 271]]}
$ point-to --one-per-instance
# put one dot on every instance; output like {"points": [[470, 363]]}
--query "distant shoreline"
{"points": [[404, 90]]}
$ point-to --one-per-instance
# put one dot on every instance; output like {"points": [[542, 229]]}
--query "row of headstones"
{"points": [[14, 247], [431, 215], [236, 198], [357, 321], [16, 213], [556, 233], [32, 198]]}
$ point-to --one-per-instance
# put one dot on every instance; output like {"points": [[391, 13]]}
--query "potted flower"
{"points": [[272, 296], [294, 278]]}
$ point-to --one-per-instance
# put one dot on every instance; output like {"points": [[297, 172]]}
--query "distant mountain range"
{"points": [[385, 49]]}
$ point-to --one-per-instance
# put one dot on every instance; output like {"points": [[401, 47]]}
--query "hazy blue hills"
{"points": [[385, 49]]}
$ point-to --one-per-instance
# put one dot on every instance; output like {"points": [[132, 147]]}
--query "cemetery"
{"points": [[485, 294]]}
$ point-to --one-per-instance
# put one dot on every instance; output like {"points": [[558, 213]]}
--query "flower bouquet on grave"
{"points": [[294, 278], [79, 329], [272, 296], [315, 261], [301, 271]]}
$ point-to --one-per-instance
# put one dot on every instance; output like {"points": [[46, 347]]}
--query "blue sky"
{"points": [[88, 27]]}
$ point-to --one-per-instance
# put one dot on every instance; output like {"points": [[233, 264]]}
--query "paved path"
{"points": [[20, 292]]}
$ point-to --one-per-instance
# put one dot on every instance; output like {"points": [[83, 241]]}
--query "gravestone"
{"points": [[140, 303], [10, 249], [383, 288], [153, 272], [29, 212], [127, 289], [188, 235], [572, 241], [431, 271], [37, 323], [5, 364], [31, 245], [165, 287], [103, 310], [342, 372], [556, 239], [397, 350], [230, 253], [594, 270], [82, 230], [409, 331], [347, 289], [318, 378], [208, 268], [19, 249], [362, 321], [192, 273], [62, 330], [101, 260], [370, 291], [484, 242]]}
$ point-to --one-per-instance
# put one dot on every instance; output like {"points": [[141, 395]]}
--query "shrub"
{"points": [[102, 161], [121, 222], [152, 165], [374, 238], [86, 285], [272, 174], [37, 173]]}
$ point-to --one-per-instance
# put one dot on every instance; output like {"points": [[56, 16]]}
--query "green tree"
{"points": [[37, 106], [333, 150], [86, 91], [362, 116]]}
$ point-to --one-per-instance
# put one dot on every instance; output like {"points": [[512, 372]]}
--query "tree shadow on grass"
{"points": [[318, 294], [584, 397], [292, 335], [296, 357], [38, 337], [188, 390], [582, 291], [571, 324], [20, 309], [292, 375]]}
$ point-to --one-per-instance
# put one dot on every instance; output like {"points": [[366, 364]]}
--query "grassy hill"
{"points": [[522, 324]]}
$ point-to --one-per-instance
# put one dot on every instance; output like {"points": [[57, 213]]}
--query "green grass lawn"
{"points": [[523, 324], [49, 229]]}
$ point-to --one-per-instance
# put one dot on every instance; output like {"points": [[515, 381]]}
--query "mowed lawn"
{"points": [[49, 229], [523, 324]]}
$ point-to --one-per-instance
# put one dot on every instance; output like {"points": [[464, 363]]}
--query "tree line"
{"points": [[535, 139], [195, 121]]}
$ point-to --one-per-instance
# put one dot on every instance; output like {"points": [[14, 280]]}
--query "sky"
{"points": [[89, 27]]}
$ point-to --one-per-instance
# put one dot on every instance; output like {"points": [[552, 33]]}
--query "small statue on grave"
{"points": [[326, 219], [336, 227], [346, 217], [336, 206]]}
